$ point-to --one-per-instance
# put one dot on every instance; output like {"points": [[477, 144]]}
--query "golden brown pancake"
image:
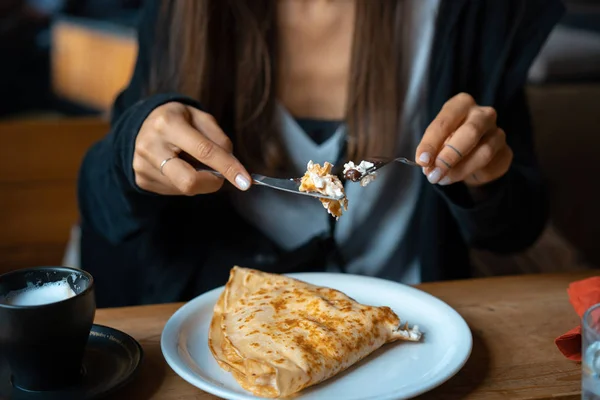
{"points": [[278, 335]]}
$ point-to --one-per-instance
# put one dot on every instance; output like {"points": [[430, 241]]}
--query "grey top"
{"points": [[372, 234]]}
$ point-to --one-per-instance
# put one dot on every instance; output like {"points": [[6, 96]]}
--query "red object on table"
{"points": [[582, 295]]}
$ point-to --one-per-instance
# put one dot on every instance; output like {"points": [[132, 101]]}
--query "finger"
{"points": [[149, 184], [483, 155], [187, 180], [149, 178], [494, 170], [157, 160], [193, 142], [146, 171], [466, 138], [452, 114], [207, 124]]}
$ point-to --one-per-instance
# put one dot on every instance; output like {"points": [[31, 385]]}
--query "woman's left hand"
{"points": [[464, 144]]}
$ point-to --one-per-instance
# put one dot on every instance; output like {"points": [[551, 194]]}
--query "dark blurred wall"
{"points": [[25, 46], [24, 77]]}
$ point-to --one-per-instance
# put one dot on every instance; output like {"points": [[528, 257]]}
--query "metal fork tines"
{"points": [[381, 162], [286, 185]]}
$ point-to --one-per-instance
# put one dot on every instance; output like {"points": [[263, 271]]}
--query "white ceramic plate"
{"points": [[396, 371]]}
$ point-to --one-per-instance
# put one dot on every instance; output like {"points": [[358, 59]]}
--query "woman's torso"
{"points": [[199, 239], [371, 235]]}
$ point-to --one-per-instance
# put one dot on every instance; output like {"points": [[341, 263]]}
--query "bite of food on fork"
{"points": [[320, 179], [366, 171], [360, 172]]}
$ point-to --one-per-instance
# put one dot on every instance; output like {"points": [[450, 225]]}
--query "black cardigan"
{"points": [[143, 248]]}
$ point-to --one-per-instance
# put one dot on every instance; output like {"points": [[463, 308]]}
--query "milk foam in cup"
{"points": [[39, 295]]}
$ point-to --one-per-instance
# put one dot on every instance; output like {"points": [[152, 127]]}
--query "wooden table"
{"points": [[514, 321]]}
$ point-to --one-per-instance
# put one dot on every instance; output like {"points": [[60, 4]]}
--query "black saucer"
{"points": [[111, 359]]}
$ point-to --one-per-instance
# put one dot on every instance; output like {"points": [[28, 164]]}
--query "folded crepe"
{"points": [[278, 335]]}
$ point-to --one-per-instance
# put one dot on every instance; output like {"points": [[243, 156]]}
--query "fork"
{"points": [[380, 162], [286, 185]]}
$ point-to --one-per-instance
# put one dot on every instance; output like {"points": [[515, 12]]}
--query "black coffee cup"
{"points": [[44, 344]]}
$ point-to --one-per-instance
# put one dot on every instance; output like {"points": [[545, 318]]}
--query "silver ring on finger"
{"points": [[164, 162]]}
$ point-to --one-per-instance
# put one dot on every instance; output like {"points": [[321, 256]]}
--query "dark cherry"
{"points": [[353, 175]]}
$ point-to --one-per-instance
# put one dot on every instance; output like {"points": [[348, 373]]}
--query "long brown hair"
{"points": [[223, 52]]}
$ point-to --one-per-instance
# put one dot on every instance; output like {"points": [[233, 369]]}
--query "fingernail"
{"points": [[445, 181], [435, 176], [424, 170], [242, 182], [425, 158]]}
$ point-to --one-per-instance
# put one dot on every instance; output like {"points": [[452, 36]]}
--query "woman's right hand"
{"points": [[171, 129]]}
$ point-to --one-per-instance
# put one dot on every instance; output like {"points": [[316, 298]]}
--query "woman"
{"points": [[265, 86]]}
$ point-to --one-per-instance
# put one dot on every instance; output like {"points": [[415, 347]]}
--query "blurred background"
{"points": [[62, 62]]}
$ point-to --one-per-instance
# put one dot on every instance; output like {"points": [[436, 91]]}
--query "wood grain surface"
{"points": [[514, 321]]}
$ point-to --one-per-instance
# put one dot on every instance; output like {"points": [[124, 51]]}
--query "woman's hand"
{"points": [[463, 144], [171, 129]]}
